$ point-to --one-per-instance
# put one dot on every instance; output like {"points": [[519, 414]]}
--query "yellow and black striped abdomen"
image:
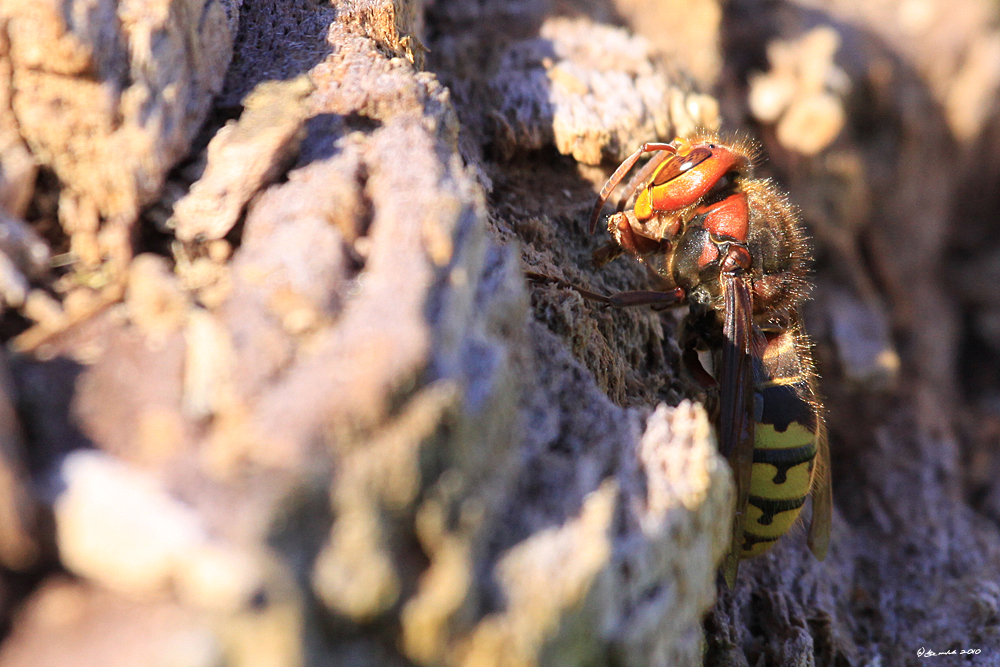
{"points": [[785, 445]]}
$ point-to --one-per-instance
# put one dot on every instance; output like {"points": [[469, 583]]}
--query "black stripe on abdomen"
{"points": [[784, 458], [784, 404], [771, 507], [750, 540]]}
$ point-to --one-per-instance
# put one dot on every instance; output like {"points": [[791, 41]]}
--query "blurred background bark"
{"points": [[275, 391]]}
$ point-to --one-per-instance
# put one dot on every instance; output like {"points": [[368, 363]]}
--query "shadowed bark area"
{"points": [[278, 392]]}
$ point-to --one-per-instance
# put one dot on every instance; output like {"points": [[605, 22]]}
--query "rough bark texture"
{"points": [[280, 394]]}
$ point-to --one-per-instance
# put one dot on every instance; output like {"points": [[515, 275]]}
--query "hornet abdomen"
{"points": [[786, 439]]}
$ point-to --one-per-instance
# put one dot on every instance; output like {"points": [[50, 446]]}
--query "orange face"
{"points": [[686, 177]]}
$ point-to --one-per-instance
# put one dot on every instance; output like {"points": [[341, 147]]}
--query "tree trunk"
{"points": [[284, 396]]}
